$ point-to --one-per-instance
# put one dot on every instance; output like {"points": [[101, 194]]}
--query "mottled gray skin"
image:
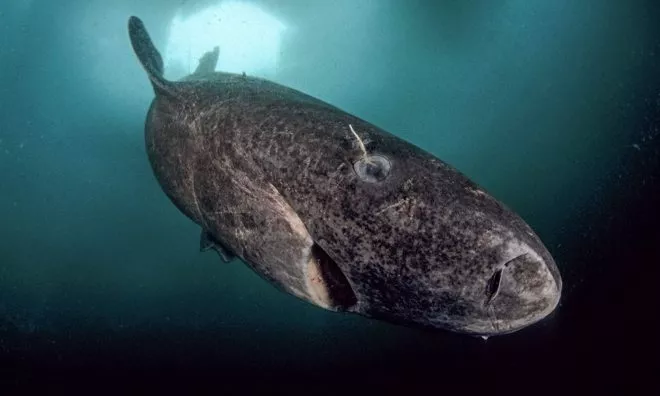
{"points": [[268, 172]]}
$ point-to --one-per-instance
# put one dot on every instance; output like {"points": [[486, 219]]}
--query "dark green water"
{"points": [[552, 106]]}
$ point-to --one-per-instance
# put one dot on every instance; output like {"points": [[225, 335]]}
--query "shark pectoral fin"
{"points": [[208, 62], [207, 242]]}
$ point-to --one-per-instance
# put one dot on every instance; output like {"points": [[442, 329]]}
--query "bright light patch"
{"points": [[249, 40]]}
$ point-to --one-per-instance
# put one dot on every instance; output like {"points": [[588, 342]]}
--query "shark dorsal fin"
{"points": [[208, 61]]}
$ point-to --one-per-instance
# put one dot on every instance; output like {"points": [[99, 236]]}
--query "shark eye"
{"points": [[372, 168], [493, 286]]}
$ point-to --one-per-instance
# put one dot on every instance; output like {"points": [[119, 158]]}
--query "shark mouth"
{"points": [[326, 283]]}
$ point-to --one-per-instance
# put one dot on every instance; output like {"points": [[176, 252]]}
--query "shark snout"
{"points": [[522, 290]]}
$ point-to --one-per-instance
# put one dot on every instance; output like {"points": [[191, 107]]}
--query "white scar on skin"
{"points": [[477, 191], [392, 206], [491, 239]]}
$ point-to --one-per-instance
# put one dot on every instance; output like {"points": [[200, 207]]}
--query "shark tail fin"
{"points": [[149, 57]]}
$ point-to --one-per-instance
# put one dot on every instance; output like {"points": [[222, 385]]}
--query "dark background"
{"points": [[552, 106]]}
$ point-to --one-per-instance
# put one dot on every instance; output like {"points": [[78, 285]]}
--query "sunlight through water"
{"points": [[249, 40]]}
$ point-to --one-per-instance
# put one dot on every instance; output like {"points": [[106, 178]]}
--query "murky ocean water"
{"points": [[551, 106]]}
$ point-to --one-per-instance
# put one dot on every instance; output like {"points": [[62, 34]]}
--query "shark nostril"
{"points": [[508, 263], [494, 283], [493, 286]]}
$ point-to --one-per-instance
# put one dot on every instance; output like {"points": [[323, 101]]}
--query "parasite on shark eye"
{"points": [[372, 168]]}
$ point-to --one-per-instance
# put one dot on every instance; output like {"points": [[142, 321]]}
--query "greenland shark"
{"points": [[336, 211]]}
